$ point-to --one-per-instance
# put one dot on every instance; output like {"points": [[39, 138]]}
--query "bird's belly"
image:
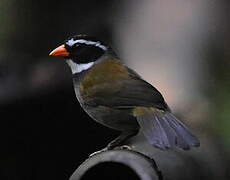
{"points": [[113, 118], [110, 117]]}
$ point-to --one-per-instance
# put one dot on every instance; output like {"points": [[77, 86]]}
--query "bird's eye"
{"points": [[76, 45]]}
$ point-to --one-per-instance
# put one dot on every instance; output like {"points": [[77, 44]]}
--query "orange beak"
{"points": [[60, 51]]}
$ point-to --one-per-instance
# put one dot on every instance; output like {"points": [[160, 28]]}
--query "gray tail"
{"points": [[164, 130]]}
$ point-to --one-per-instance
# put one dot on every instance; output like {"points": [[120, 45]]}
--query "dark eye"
{"points": [[76, 45]]}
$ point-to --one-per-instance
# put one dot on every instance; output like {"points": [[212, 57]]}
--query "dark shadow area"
{"points": [[111, 171], [47, 137]]}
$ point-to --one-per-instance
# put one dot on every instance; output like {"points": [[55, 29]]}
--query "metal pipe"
{"points": [[115, 163]]}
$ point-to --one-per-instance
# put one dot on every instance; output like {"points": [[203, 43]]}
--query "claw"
{"points": [[124, 147], [98, 152]]}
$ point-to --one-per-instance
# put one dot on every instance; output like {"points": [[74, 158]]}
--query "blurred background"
{"points": [[182, 47]]}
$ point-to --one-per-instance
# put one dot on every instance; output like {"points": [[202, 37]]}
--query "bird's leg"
{"points": [[120, 139], [117, 142]]}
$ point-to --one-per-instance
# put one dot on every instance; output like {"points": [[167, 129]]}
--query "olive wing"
{"points": [[126, 93]]}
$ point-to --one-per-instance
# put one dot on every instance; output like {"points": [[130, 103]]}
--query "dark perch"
{"points": [[118, 164]]}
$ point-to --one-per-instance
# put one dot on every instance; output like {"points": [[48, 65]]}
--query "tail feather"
{"points": [[177, 140], [164, 130], [184, 131]]}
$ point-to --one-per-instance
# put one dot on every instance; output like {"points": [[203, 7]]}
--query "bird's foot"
{"points": [[98, 152], [124, 147]]}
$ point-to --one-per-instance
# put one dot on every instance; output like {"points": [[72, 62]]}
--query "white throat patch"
{"points": [[71, 42], [77, 68]]}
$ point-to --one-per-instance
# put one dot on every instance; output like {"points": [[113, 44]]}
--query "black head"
{"points": [[81, 52], [81, 49], [84, 49]]}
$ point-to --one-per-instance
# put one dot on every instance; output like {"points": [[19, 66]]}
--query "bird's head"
{"points": [[80, 52]]}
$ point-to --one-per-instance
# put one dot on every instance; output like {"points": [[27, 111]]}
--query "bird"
{"points": [[115, 96]]}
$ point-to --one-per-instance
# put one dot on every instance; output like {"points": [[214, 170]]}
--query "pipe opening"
{"points": [[111, 171]]}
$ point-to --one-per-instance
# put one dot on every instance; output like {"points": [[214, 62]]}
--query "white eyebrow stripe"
{"points": [[71, 42]]}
